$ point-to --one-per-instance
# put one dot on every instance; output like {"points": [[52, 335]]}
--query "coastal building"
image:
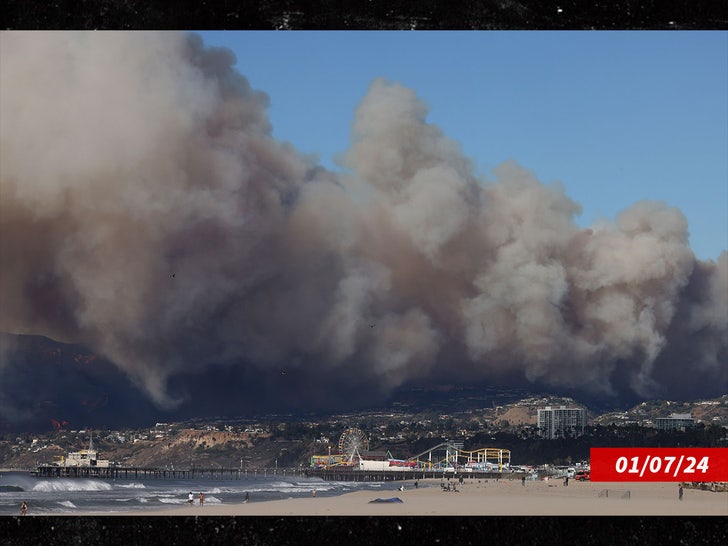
{"points": [[676, 421], [561, 422], [84, 458]]}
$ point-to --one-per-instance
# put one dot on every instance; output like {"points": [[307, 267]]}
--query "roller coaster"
{"points": [[446, 456], [489, 459]]}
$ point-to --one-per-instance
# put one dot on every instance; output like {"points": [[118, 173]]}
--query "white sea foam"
{"points": [[303, 489], [67, 504], [184, 492], [288, 487], [131, 485], [172, 500], [72, 485], [96, 495]]}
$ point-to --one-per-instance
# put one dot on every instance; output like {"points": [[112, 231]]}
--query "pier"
{"points": [[354, 475], [126, 472], [327, 474]]}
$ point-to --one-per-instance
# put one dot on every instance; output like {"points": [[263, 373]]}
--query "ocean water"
{"points": [[68, 496]]}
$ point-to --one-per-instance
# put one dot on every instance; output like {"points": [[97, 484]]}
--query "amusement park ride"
{"points": [[353, 453]]}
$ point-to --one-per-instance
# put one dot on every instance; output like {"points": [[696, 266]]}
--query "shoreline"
{"points": [[479, 498]]}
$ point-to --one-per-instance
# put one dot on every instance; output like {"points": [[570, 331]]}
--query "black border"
{"points": [[364, 15], [230, 530]]}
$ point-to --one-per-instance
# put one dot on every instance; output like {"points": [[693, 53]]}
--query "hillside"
{"points": [[291, 442], [713, 411], [184, 449]]}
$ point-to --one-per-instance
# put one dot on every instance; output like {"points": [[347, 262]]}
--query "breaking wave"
{"points": [[132, 486], [71, 485], [172, 500]]}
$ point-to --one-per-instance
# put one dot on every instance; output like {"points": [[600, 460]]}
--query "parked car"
{"points": [[582, 476]]}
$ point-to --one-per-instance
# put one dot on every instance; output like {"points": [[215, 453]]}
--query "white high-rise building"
{"points": [[561, 422], [676, 421]]}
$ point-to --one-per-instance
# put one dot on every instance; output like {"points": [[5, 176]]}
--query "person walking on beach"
{"points": [[523, 481], [247, 497], [23, 508], [680, 492], [202, 499], [190, 498]]}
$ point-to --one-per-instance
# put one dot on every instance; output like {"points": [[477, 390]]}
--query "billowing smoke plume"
{"points": [[147, 213]]}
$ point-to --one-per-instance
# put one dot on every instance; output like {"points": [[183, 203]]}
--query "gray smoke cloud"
{"points": [[147, 212]]}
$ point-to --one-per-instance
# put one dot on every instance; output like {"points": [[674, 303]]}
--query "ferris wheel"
{"points": [[352, 441]]}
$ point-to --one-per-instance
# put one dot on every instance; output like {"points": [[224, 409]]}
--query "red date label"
{"points": [[616, 464]]}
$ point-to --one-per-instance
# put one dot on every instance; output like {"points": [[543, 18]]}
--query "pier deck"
{"points": [[355, 475], [125, 472], [328, 474]]}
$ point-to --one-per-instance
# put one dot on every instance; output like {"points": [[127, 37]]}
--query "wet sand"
{"points": [[484, 498]]}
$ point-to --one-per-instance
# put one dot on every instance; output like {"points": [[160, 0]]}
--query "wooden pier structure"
{"points": [[345, 474], [328, 474], [126, 472]]}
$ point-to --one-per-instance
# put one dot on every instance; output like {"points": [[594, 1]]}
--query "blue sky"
{"points": [[616, 117]]}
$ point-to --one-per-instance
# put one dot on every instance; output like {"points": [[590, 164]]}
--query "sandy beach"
{"points": [[484, 498]]}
